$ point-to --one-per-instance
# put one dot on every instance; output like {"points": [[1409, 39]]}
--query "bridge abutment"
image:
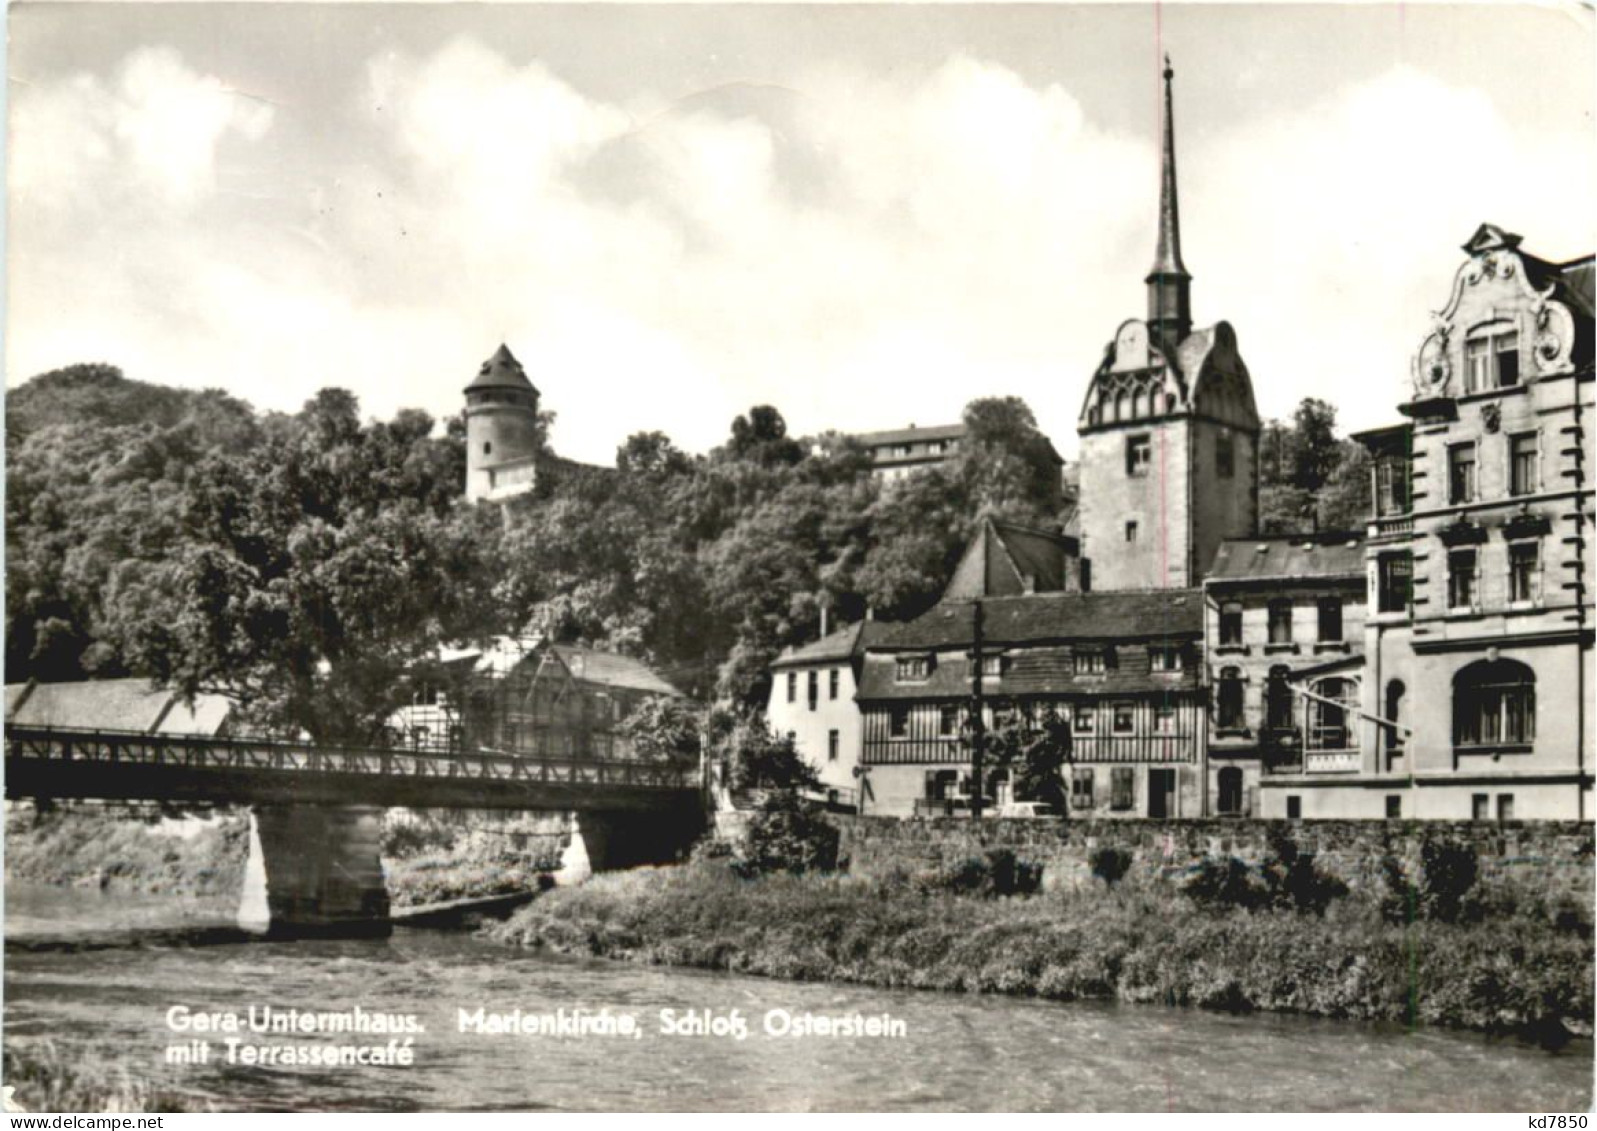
{"points": [[315, 871], [609, 841]]}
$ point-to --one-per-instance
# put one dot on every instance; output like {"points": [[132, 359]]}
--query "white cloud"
{"points": [[859, 249], [153, 130]]}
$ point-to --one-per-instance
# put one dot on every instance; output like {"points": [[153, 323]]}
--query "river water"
{"points": [[98, 975]]}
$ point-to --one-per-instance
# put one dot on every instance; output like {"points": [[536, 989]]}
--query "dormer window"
{"points": [[911, 669], [1090, 661], [992, 666], [1164, 659], [1491, 358]]}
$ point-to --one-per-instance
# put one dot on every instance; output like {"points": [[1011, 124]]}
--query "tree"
{"points": [[757, 758], [665, 729], [1033, 748], [318, 571], [1309, 479]]}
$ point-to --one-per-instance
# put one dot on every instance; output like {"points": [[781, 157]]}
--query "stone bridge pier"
{"points": [[316, 870]]}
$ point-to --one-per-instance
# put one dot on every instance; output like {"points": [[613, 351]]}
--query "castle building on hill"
{"points": [[503, 445], [1169, 431]]}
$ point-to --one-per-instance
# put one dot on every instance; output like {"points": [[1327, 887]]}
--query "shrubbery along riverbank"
{"points": [[1435, 946]]}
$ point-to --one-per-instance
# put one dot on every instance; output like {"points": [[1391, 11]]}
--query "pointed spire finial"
{"points": [[1169, 300]]}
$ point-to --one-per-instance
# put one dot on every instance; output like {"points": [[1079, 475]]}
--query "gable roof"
{"points": [[1129, 615], [1289, 557], [844, 644], [911, 434], [1005, 559], [609, 669], [114, 704]]}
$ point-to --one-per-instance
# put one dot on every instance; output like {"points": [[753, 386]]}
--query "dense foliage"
{"points": [[302, 562], [1309, 479]]}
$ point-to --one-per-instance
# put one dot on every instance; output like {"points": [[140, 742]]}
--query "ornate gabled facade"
{"points": [[1477, 697], [1169, 430]]}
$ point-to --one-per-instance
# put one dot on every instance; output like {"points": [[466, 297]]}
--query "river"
{"points": [[98, 975]]}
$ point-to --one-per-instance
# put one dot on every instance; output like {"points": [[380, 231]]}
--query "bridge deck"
{"points": [[48, 762]]}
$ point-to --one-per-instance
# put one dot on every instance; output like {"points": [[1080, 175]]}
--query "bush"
{"points": [[996, 872], [1449, 874], [787, 835], [1223, 885], [1288, 880], [1110, 863]]}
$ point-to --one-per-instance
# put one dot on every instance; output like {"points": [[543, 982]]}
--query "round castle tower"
{"points": [[502, 442]]}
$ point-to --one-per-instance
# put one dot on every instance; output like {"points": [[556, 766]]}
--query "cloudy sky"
{"points": [[865, 215]]}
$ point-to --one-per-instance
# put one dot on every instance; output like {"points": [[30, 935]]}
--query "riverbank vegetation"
{"points": [[45, 1078], [428, 858], [128, 848], [1520, 964]]}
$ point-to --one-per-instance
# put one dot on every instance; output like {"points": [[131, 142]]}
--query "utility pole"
{"points": [[978, 726]]}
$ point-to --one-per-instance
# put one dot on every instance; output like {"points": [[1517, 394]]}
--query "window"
{"points": [[792, 687], [992, 665], [1131, 530], [831, 746], [1522, 460], [947, 720], [815, 689], [419, 736], [1125, 716], [1280, 622], [1224, 456], [1230, 624], [1391, 486], [487, 448], [1494, 701], [1477, 366], [1081, 789], [1461, 473], [1395, 583], [1394, 806], [1524, 572], [1088, 661], [1480, 806], [1331, 715], [1505, 806], [1228, 698], [1165, 659], [1229, 801], [898, 722], [914, 668], [831, 684], [1394, 712], [1278, 700], [1139, 454], [1164, 719], [1505, 354], [1462, 591], [1122, 787], [1294, 808], [1330, 609], [1084, 719]]}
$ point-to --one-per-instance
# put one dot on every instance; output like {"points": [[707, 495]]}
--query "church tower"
{"points": [[502, 440], [1169, 431]]}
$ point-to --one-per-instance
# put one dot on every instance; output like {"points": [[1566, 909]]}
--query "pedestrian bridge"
{"points": [[317, 811]]}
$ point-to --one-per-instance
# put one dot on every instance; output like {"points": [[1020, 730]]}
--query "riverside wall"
{"points": [[1552, 856]]}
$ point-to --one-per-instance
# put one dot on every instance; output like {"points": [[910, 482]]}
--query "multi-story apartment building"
{"points": [[1476, 699], [1283, 641]]}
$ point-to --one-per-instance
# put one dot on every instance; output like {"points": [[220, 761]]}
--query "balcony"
{"points": [[1331, 762], [1392, 525]]}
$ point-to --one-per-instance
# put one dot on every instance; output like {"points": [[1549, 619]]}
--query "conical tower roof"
{"points": [[501, 371], [1167, 256]]}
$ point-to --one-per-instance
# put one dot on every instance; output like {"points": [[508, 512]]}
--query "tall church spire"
{"points": [[1169, 285]]}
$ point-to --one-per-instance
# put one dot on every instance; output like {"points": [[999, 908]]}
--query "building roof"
{"points": [[1288, 557], [911, 434], [1005, 559], [609, 669], [501, 371], [1105, 615], [114, 704], [844, 644]]}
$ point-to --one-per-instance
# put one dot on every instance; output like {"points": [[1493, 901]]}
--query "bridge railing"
{"points": [[204, 752]]}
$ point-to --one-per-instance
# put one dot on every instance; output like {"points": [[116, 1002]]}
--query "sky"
{"points": [[865, 215]]}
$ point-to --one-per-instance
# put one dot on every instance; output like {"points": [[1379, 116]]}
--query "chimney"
{"points": [[823, 622]]}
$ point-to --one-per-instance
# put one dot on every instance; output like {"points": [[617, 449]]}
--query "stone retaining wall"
{"points": [[1550, 855]]}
